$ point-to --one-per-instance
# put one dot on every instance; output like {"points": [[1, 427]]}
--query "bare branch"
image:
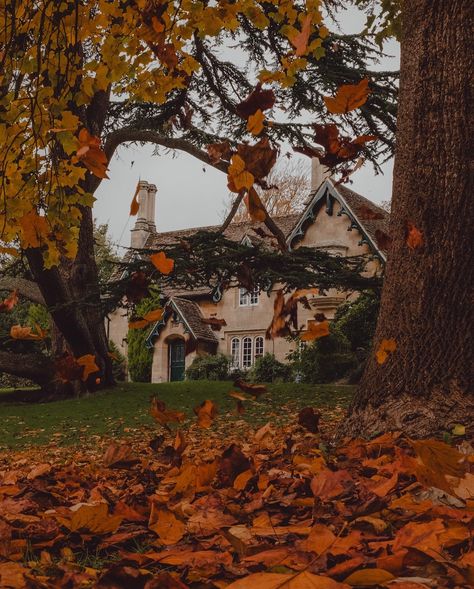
{"points": [[233, 211]]}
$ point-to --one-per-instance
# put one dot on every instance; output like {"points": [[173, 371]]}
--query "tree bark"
{"points": [[424, 386], [34, 366]]}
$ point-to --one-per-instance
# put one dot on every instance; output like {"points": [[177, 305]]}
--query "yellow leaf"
{"points": [[369, 577], [459, 430], [387, 346], [255, 123], [239, 178], [26, 333]]}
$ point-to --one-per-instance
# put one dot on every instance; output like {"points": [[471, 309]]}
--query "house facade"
{"points": [[335, 219]]}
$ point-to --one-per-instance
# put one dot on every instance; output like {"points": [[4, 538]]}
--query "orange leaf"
{"points": [[205, 412], [93, 519], [253, 389], [26, 333], [255, 123], [255, 206], [387, 346], [166, 525], [91, 154], [164, 416], [414, 236], [303, 580], [348, 97], [300, 40], [119, 456], [8, 303], [315, 331], [135, 205], [319, 540], [162, 263], [88, 363], [34, 230]]}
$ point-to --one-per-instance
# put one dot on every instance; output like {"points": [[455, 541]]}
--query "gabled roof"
{"points": [[190, 313], [354, 205]]}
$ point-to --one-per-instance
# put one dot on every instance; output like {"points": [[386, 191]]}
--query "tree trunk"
{"points": [[424, 385]]}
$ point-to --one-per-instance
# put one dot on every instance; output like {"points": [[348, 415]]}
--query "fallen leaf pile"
{"points": [[272, 509]]}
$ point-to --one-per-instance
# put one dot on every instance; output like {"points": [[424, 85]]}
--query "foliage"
{"points": [[209, 367], [140, 358], [326, 360], [327, 541], [119, 362], [356, 320], [269, 369], [105, 252]]}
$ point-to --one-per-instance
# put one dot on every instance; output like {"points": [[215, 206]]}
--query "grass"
{"points": [[123, 410]]}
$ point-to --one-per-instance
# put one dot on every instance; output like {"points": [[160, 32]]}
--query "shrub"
{"points": [[269, 369], [119, 364], [140, 358], [208, 367], [325, 360], [357, 320]]}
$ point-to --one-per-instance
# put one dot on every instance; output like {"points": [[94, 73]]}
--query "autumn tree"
{"points": [[420, 380], [79, 79]]}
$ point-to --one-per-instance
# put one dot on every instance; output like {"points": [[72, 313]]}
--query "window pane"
{"points": [[243, 297], [235, 352], [258, 347], [254, 296], [247, 352]]}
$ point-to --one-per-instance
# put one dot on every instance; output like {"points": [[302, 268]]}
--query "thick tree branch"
{"points": [[34, 366], [27, 288], [233, 211]]}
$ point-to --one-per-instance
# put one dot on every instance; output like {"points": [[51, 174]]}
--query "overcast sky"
{"points": [[191, 194]]}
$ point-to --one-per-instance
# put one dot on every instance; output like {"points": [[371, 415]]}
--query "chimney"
{"points": [[145, 223], [319, 173]]}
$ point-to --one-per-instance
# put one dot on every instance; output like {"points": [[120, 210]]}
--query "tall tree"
{"points": [[424, 384], [79, 79]]}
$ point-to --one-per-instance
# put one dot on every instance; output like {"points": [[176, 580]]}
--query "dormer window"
{"points": [[249, 299]]}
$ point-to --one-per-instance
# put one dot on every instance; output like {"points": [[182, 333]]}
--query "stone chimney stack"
{"points": [[319, 173], [145, 223]]}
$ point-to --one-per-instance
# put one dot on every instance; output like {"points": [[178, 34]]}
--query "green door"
{"points": [[177, 359]]}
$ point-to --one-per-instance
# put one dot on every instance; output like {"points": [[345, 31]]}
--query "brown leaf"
{"points": [[256, 390], [164, 416], [309, 418], [119, 456], [206, 413], [369, 577], [304, 580], [328, 484], [414, 237], [10, 302], [348, 97], [300, 40], [258, 100], [166, 525]]}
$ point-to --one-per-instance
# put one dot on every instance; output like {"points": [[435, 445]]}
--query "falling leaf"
{"points": [[88, 363], [255, 207], [414, 238], [135, 205], [256, 390], [91, 154], [119, 456], [164, 416], [384, 241], [162, 263], [27, 333], [309, 418], [137, 287], [258, 100], [386, 347], [238, 177], [300, 40], [255, 123], [10, 302], [348, 97], [315, 331], [206, 413], [219, 151], [215, 323]]}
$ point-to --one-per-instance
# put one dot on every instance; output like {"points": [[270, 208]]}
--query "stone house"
{"points": [[331, 220]]}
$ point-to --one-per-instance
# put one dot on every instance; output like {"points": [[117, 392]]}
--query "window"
{"points": [[247, 299], [247, 352], [235, 352], [258, 347]]}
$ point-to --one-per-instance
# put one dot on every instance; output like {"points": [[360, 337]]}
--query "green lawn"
{"points": [[124, 410]]}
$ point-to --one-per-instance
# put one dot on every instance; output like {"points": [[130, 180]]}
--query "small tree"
{"points": [[140, 358]]}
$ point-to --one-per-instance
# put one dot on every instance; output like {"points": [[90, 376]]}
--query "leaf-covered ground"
{"points": [[238, 505]]}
